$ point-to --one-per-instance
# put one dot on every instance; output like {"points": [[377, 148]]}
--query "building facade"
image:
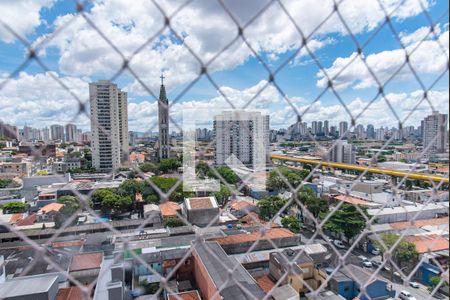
{"points": [[109, 125], [243, 134], [71, 133], [435, 133]]}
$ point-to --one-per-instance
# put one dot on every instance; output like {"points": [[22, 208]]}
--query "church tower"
{"points": [[163, 122]]}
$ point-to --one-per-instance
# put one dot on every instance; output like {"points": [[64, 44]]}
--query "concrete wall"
{"points": [[203, 280], [203, 217]]}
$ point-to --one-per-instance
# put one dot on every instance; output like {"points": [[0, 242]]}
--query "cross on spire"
{"points": [[162, 78]]}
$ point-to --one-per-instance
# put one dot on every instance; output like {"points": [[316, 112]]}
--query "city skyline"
{"points": [[238, 74]]}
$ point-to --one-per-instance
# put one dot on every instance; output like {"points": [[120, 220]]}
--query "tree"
{"points": [[434, 281], [166, 184], [148, 167], [116, 204], [14, 207], [4, 183], [169, 164], [269, 206], [315, 205], [404, 252], [294, 177], [226, 173], [173, 222], [223, 194], [346, 220], [292, 223], [71, 206], [130, 187], [202, 169]]}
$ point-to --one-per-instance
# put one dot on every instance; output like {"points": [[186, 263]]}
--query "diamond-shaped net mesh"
{"points": [[310, 228]]}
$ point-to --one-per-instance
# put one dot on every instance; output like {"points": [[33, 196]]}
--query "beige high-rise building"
{"points": [[435, 133], [109, 126]]}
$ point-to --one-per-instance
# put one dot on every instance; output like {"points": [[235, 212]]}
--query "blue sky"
{"points": [[78, 55]]}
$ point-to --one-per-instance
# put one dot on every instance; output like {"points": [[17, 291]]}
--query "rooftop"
{"points": [[201, 203], [86, 261], [189, 295], [425, 243], [217, 263], [169, 209], [274, 233], [354, 201], [419, 223], [27, 285], [71, 293], [51, 207]]}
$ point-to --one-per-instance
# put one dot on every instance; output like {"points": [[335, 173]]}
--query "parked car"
{"points": [[375, 263], [339, 244], [363, 258], [405, 295], [367, 264], [375, 251], [414, 284]]}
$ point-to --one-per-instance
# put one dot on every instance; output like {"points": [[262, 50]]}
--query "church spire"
{"points": [[162, 90]]}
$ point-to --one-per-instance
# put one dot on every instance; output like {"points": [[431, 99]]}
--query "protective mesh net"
{"points": [[194, 248]]}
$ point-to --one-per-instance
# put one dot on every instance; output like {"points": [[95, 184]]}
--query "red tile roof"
{"points": [[169, 209], [274, 233], [16, 218], [419, 223], [203, 202], [29, 220], [51, 207], [78, 243], [352, 200], [241, 204], [265, 283], [86, 261], [71, 293], [430, 242], [189, 295]]}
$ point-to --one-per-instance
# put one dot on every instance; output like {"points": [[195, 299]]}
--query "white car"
{"points": [[405, 295], [376, 251], [367, 264], [363, 258], [414, 284], [339, 244]]}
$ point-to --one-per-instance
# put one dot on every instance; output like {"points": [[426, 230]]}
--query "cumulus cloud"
{"points": [[39, 100], [206, 28], [429, 56], [22, 16]]}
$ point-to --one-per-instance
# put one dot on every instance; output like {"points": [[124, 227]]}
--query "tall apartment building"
{"points": [[342, 152], [8, 131], [57, 132], [109, 125], [71, 133], [326, 127], [343, 127], [435, 132], [244, 134], [370, 132], [163, 122]]}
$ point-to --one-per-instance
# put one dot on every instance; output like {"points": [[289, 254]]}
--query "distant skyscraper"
{"points": [[319, 127], [370, 132], [163, 122], [8, 131], [359, 130], [244, 134], [109, 120], [435, 132], [343, 127], [57, 132], [71, 133], [314, 128], [45, 134], [342, 152], [333, 130], [326, 127]]}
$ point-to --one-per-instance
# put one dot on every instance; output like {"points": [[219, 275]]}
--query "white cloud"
{"points": [[21, 101], [22, 16], [39, 100], [427, 57], [419, 35], [206, 28]]}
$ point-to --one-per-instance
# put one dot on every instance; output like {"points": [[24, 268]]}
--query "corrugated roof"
{"points": [[16, 218], [274, 233], [29, 220], [86, 261], [353, 200], [169, 209], [241, 204]]}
